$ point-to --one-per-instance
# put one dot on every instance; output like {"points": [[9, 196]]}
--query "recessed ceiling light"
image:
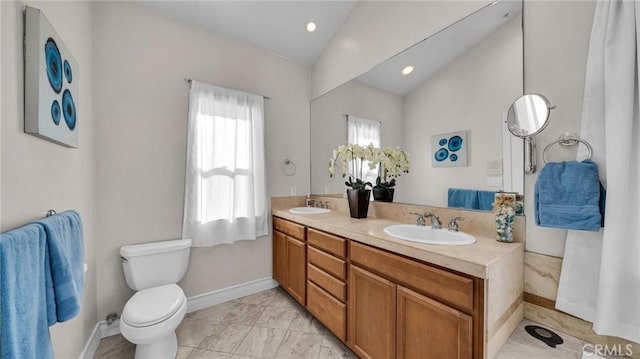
{"points": [[311, 26], [407, 70]]}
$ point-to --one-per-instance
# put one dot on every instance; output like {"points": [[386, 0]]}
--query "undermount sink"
{"points": [[309, 210], [428, 235]]}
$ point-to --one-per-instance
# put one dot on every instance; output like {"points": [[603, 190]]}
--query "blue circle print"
{"points": [[54, 65], [442, 142], [453, 157], [67, 71], [69, 110], [55, 112], [455, 143], [441, 154]]}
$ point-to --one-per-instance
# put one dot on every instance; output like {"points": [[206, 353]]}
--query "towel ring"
{"points": [[567, 140], [289, 167]]}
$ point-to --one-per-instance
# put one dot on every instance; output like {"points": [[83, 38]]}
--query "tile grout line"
{"points": [[283, 338], [247, 334], [265, 307]]}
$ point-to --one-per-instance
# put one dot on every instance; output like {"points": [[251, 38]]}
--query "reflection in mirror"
{"points": [[528, 115], [463, 80]]}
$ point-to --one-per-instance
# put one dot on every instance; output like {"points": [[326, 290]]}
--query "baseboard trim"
{"points": [[541, 301], [89, 350], [107, 330], [212, 298]]}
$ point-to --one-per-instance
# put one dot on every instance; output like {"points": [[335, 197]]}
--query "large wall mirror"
{"points": [[464, 79]]}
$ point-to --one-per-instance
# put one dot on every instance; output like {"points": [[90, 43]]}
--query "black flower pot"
{"points": [[383, 194], [358, 202]]}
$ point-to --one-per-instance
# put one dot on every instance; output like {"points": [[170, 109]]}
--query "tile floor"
{"points": [[268, 324], [271, 324]]}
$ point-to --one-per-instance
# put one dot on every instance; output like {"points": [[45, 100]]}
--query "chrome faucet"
{"points": [[420, 221], [453, 223], [435, 221]]}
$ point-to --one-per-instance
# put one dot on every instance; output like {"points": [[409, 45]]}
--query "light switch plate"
{"points": [[494, 181]]}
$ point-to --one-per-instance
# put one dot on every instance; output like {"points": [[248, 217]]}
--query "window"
{"points": [[364, 132], [225, 185]]}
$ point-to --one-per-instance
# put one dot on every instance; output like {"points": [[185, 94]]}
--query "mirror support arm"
{"points": [[530, 155]]}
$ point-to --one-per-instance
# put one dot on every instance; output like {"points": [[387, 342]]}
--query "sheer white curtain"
{"points": [[600, 279], [364, 132], [225, 185]]}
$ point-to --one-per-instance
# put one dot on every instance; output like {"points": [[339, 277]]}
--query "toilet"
{"points": [[151, 316]]}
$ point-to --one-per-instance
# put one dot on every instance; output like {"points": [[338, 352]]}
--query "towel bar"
{"points": [[567, 140], [51, 212]]}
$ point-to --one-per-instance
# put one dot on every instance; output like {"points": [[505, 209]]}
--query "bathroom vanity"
{"points": [[389, 298]]}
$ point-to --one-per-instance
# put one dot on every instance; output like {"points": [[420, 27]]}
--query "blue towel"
{"points": [[66, 259], [24, 328], [485, 200], [567, 195], [463, 198]]}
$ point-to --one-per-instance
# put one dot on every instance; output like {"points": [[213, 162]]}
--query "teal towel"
{"points": [[485, 200], [567, 195], [24, 328], [462, 198], [66, 260]]}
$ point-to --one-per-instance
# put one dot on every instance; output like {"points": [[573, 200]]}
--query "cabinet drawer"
{"points": [[330, 284], [327, 309], [328, 263], [293, 229], [439, 284], [327, 242]]}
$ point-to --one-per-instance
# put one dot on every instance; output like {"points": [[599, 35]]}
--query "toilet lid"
{"points": [[150, 306]]}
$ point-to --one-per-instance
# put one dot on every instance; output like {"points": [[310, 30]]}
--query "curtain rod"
{"points": [[347, 116], [188, 80]]}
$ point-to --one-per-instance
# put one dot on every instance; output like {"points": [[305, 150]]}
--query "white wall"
{"points": [[556, 39], [141, 60], [376, 30], [329, 126], [470, 94], [38, 175]]}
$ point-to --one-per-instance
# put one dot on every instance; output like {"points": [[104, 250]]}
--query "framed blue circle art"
{"points": [[449, 149], [51, 90]]}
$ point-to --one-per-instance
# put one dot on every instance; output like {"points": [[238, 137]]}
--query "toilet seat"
{"points": [[152, 306]]}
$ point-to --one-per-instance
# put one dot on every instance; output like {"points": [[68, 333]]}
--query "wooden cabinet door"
{"points": [[372, 315], [280, 257], [296, 269], [428, 329]]}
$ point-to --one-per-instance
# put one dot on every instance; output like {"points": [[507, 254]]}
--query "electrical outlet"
{"points": [[293, 191]]}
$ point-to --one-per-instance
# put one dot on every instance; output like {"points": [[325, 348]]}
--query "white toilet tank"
{"points": [[153, 264]]}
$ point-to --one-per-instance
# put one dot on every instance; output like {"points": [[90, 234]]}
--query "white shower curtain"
{"points": [[609, 294], [225, 185]]}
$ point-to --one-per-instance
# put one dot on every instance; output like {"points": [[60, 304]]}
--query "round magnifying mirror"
{"points": [[528, 115]]}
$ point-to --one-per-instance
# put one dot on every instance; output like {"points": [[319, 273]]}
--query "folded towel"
{"points": [[485, 200], [66, 260], [567, 195], [463, 198], [24, 329]]}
